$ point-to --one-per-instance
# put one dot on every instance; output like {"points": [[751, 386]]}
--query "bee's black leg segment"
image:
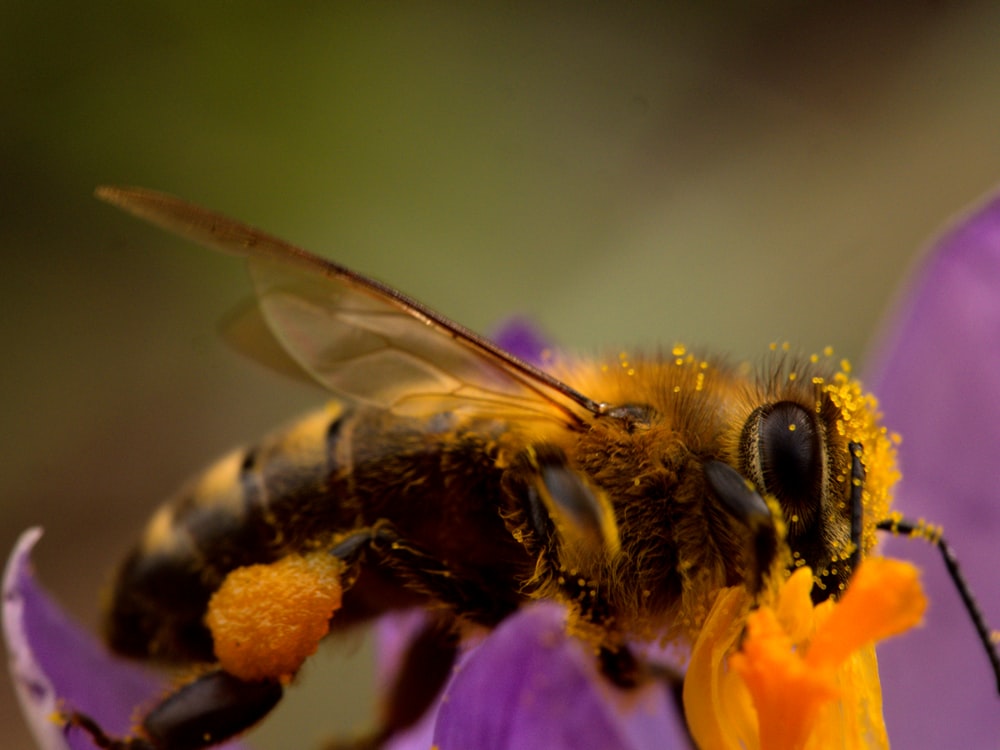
{"points": [[626, 671], [620, 666], [422, 675], [560, 500], [857, 505], [101, 740], [427, 574], [204, 712], [902, 526], [208, 710], [746, 505], [421, 572], [352, 548]]}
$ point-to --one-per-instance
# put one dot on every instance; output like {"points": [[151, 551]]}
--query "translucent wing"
{"points": [[360, 338]]}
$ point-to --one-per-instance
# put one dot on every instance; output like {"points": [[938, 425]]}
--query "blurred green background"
{"points": [[626, 175]]}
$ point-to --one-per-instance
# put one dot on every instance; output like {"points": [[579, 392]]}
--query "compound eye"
{"points": [[783, 452]]}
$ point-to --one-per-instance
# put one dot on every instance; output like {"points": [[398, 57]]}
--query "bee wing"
{"points": [[360, 338]]}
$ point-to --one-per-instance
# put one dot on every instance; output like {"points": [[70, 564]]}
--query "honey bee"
{"points": [[450, 474]]}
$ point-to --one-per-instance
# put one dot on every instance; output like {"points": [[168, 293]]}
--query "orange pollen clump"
{"points": [[267, 619]]}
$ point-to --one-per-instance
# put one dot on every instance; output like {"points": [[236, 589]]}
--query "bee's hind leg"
{"points": [[382, 547], [421, 676], [206, 711], [429, 658]]}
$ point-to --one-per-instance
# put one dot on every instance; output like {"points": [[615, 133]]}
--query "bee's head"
{"points": [[807, 450]]}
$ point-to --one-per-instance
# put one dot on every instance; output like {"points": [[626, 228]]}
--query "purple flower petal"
{"points": [[529, 685], [522, 338], [55, 664], [937, 376]]}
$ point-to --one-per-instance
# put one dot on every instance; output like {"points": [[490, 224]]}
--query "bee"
{"points": [[450, 474]]}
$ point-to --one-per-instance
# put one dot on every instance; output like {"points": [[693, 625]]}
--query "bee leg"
{"points": [[381, 545], [626, 671], [206, 711], [425, 669], [749, 509], [557, 500]]}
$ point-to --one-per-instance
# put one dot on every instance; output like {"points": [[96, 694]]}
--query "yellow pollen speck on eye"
{"points": [[791, 427]]}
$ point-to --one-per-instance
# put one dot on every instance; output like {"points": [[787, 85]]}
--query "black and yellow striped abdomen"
{"points": [[339, 469]]}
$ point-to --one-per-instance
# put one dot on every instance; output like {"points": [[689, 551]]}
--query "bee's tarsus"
{"points": [[101, 739], [905, 527], [621, 667]]}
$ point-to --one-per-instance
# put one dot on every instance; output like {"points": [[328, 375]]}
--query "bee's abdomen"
{"points": [[250, 507]]}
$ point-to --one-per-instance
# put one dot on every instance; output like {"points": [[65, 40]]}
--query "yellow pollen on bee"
{"points": [[791, 427], [266, 620], [677, 389], [827, 351], [679, 350], [793, 375]]}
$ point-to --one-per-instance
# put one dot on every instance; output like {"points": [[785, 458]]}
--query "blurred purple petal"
{"points": [[523, 339], [54, 662], [937, 375], [530, 685]]}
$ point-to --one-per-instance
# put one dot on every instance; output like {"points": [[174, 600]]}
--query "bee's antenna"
{"points": [[901, 526]]}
